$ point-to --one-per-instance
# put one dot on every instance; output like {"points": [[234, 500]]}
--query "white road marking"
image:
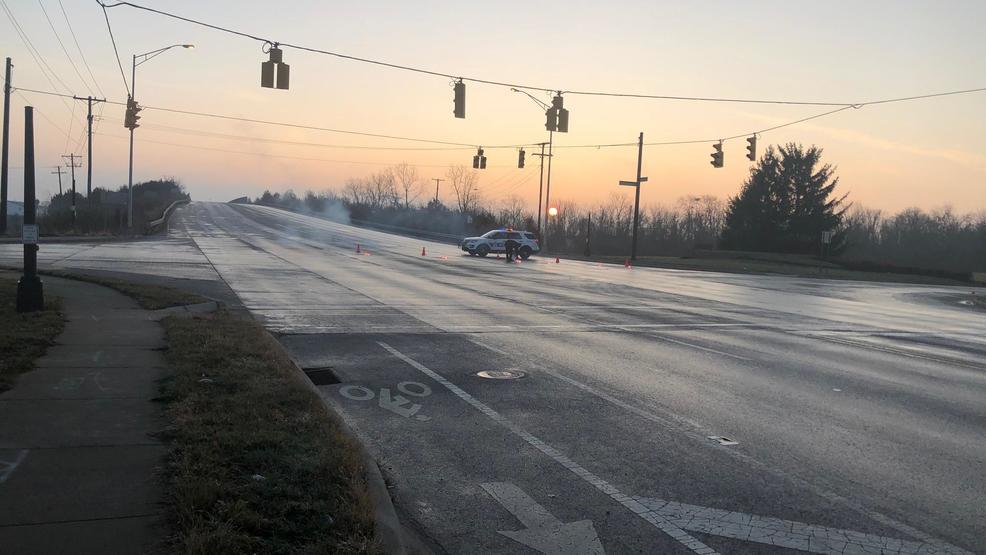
{"points": [[543, 531], [781, 533], [8, 467], [694, 432], [699, 347], [396, 404], [356, 392], [636, 507]]}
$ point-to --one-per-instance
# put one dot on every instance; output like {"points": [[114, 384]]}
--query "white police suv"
{"points": [[495, 241]]}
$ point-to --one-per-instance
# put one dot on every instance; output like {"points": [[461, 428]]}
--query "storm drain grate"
{"points": [[723, 440], [322, 376], [501, 374]]}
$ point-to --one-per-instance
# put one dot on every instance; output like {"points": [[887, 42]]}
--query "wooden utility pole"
{"points": [[636, 202], [437, 181], [58, 170], [73, 165], [89, 100]]}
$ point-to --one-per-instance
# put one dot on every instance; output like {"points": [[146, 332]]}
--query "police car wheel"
{"points": [[525, 252], [483, 250]]}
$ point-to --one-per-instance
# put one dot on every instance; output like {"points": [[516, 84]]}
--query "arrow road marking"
{"points": [[544, 532], [8, 467], [784, 533], [582, 473]]}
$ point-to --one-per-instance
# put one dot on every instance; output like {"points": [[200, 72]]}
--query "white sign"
{"points": [[30, 235]]}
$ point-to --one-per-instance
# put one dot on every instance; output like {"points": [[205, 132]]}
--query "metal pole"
{"points": [[547, 192], [636, 202], [541, 191], [89, 157], [6, 140], [30, 295], [130, 173]]}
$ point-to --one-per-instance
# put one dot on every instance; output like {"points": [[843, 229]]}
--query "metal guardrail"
{"points": [[154, 225]]}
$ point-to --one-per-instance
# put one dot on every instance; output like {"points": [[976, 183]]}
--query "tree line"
{"points": [[790, 203]]}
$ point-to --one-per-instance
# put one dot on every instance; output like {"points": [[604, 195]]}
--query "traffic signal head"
{"points": [[479, 160], [551, 121], [520, 158], [274, 67], [717, 157], [460, 99], [130, 117], [563, 120], [751, 148]]}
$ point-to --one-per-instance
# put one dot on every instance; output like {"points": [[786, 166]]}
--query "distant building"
{"points": [[240, 200]]}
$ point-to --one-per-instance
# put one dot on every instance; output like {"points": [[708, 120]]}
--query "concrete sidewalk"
{"points": [[78, 464]]}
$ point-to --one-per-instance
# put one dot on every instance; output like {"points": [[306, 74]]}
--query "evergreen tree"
{"points": [[786, 204]]}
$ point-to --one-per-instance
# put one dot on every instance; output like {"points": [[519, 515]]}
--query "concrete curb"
{"points": [[386, 526]]}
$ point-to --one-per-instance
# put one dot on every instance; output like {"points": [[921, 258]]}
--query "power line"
{"points": [[35, 54], [455, 144], [115, 50], [268, 155], [65, 50], [79, 48], [492, 82]]}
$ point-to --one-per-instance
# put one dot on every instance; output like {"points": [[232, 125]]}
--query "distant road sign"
{"points": [[629, 183]]}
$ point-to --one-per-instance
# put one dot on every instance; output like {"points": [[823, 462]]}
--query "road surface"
{"points": [[658, 411]]}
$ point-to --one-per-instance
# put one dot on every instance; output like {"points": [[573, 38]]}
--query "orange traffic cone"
{"points": [[557, 260], [626, 264], [357, 249], [423, 253]]}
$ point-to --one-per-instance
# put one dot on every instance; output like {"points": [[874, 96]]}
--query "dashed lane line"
{"points": [[639, 509]]}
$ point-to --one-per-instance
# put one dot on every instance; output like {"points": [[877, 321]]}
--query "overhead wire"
{"points": [[35, 54], [65, 50], [495, 82], [116, 51], [79, 48]]}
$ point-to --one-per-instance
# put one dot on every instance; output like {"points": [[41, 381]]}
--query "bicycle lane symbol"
{"points": [[397, 404]]}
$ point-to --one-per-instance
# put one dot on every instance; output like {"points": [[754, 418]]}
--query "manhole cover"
{"points": [[322, 376], [501, 374]]}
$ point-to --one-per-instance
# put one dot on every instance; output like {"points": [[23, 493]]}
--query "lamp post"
{"points": [[146, 56], [547, 191]]}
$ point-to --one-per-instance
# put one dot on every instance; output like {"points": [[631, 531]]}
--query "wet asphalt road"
{"points": [[859, 409]]}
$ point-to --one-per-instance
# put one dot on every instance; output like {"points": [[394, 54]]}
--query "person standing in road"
{"points": [[511, 246]]}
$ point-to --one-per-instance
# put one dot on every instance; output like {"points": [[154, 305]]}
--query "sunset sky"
{"points": [[925, 153]]}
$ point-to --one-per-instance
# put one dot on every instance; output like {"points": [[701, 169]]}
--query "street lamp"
{"points": [[146, 56], [547, 194]]}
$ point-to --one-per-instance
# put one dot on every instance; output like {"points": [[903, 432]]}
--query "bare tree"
{"points": [[382, 190], [512, 212], [406, 178], [465, 183]]}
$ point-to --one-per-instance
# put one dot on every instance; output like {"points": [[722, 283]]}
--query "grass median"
{"points": [[258, 464], [23, 337]]}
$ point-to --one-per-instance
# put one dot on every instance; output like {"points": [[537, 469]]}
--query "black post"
{"points": [[588, 235], [636, 202], [3, 157], [30, 293]]}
